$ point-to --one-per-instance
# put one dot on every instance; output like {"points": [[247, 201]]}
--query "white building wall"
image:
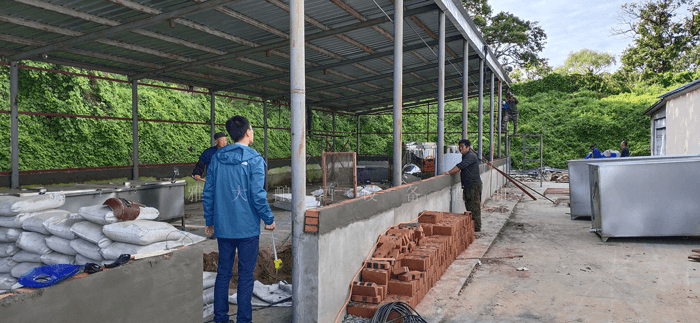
{"points": [[683, 124]]}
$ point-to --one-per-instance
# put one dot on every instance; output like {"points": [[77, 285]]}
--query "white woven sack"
{"points": [[61, 228], [86, 249], [91, 232], [6, 265], [102, 214], [208, 296], [208, 279], [26, 256], [14, 222], [119, 248], [33, 242], [35, 221], [141, 232], [12, 205], [61, 245], [82, 260], [58, 258], [9, 235], [8, 249], [6, 281], [24, 267]]}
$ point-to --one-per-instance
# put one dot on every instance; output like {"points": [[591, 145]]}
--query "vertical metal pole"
{"points": [[135, 128], [439, 159], [481, 107], [298, 125], [500, 115], [265, 141], [14, 126], [333, 131], [523, 153], [541, 160], [491, 125], [427, 125], [357, 146], [212, 117], [465, 90], [398, 89]]}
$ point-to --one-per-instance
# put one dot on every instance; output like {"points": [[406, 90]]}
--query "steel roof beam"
{"points": [[283, 43], [116, 29], [406, 97]]}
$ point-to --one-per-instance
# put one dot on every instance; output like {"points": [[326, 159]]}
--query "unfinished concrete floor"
{"points": [[572, 276]]}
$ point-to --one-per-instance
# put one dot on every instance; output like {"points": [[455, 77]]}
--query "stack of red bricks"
{"points": [[409, 259]]}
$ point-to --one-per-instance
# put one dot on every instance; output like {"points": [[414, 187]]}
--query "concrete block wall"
{"points": [[335, 248], [156, 289]]}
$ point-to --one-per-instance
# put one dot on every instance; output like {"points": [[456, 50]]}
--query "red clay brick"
{"points": [[377, 276], [411, 275], [427, 229], [365, 310], [419, 263], [378, 264], [310, 228], [366, 299], [402, 270], [312, 213], [444, 229], [402, 288], [430, 217], [365, 289], [312, 221]]}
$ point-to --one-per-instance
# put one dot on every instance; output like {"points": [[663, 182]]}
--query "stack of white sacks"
{"points": [[33, 234]]}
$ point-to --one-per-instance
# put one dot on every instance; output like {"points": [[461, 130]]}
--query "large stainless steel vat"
{"points": [[168, 197], [579, 180], [646, 198]]}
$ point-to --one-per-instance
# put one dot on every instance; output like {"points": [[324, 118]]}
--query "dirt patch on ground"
{"points": [[264, 269]]}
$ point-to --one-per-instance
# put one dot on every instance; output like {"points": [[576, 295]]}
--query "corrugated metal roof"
{"points": [[243, 25], [694, 85]]}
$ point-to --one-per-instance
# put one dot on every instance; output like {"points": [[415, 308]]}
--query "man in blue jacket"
{"points": [[596, 153], [205, 158], [234, 202]]}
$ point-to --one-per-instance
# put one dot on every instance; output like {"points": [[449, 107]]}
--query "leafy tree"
{"points": [[665, 32], [513, 40], [530, 72], [586, 61]]}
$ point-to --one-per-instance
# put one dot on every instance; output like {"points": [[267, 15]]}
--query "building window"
{"points": [[659, 137]]}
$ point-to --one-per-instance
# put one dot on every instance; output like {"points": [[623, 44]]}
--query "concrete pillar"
{"points": [[398, 89], [500, 114], [491, 125], [14, 125], [465, 91], [212, 117], [439, 159], [481, 107], [297, 102], [135, 128], [265, 141]]}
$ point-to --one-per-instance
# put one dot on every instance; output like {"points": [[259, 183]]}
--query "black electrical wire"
{"points": [[406, 312]]}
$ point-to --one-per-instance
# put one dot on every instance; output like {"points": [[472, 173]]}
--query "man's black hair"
{"points": [[625, 142], [465, 142], [237, 127], [592, 146]]}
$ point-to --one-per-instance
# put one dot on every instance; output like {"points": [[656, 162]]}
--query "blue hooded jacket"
{"points": [[234, 196]]}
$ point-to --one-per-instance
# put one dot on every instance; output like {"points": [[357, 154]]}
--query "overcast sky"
{"points": [[571, 25]]}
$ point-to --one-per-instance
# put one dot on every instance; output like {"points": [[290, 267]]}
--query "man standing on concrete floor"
{"points": [[234, 201], [471, 181], [205, 158]]}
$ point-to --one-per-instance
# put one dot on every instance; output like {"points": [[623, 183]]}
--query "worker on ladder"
{"points": [[510, 112]]}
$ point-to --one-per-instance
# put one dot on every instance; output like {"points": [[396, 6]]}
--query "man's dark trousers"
{"points": [[472, 202], [247, 258]]}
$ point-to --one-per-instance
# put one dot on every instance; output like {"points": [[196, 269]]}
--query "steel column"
{"points": [[298, 126], [265, 141], [135, 128], [491, 125], [439, 159], [500, 115], [357, 146], [481, 108], [398, 89], [333, 130], [465, 90], [14, 126], [212, 117]]}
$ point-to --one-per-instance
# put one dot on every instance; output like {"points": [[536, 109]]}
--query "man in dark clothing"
{"points": [[625, 150], [205, 158], [511, 112], [471, 181]]}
